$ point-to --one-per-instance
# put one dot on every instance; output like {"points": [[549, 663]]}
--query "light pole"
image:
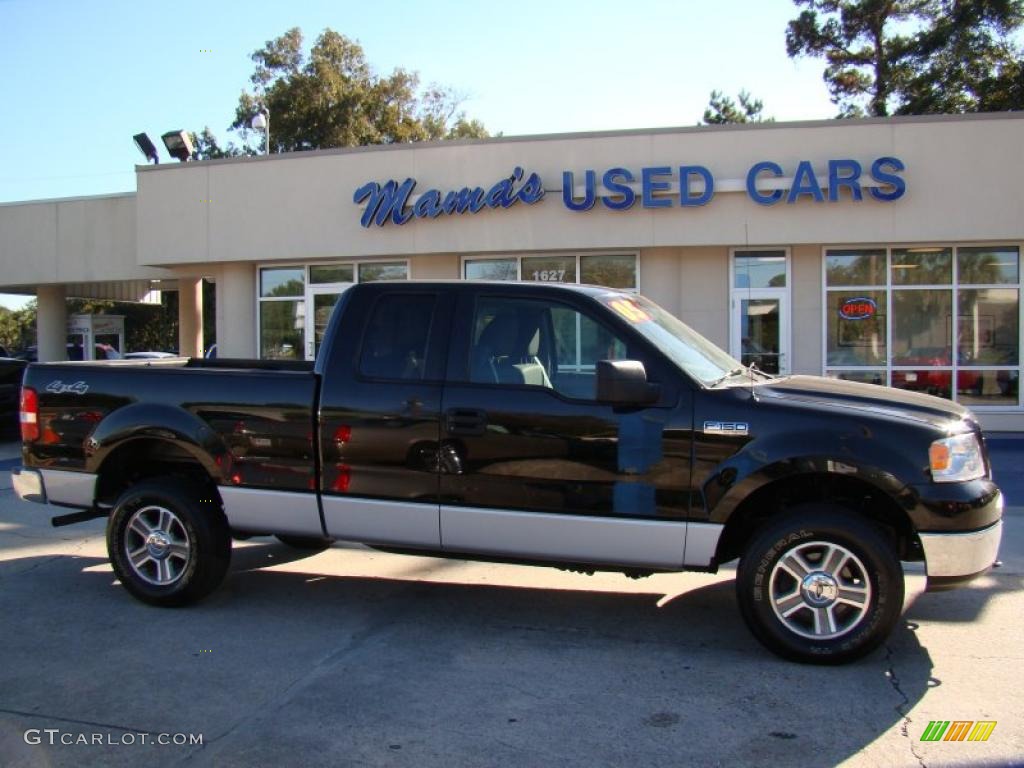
{"points": [[261, 122]]}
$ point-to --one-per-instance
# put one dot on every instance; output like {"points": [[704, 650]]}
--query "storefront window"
{"points": [[282, 281], [611, 270], [921, 330], [856, 328], [922, 266], [282, 326], [759, 269], [987, 266], [491, 269], [614, 270], [374, 271], [866, 267], [988, 331], [332, 273], [550, 269], [955, 320]]}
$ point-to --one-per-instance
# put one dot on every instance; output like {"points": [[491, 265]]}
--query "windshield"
{"points": [[680, 343]]}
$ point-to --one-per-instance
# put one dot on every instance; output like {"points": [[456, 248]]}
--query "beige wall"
{"points": [[70, 241], [704, 292], [806, 310], [432, 266], [960, 173]]}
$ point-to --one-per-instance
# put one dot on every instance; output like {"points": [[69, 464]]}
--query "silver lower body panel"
{"points": [[380, 521], [582, 539], [256, 510]]}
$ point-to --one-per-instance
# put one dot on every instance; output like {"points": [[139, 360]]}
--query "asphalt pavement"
{"points": [[352, 657]]}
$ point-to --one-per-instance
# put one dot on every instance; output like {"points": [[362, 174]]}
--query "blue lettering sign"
{"points": [[685, 172], [883, 171], [618, 189], [650, 186], [805, 183], [843, 173], [390, 201], [589, 195], [761, 198], [385, 202]]}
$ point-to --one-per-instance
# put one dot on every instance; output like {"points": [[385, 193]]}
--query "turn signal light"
{"points": [[939, 457], [29, 415]]}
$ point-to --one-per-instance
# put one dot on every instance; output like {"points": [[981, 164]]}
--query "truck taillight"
{"points": [[29, 416]]}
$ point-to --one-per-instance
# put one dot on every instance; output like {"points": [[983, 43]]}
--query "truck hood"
{"points": [[885, 402]]}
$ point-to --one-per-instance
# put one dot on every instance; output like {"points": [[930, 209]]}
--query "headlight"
{"points": [[956, 459]]}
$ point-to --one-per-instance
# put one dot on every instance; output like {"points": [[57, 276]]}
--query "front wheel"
{"points": [[820, 585], [168, 542]]}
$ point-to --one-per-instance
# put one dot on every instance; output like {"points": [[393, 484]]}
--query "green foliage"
{"points": [[722, 110], [207, 148], [333, 98], [913, 56], [18, 327]]}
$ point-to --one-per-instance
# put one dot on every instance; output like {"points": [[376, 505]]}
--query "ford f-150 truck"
{"points": [[575, 426]]}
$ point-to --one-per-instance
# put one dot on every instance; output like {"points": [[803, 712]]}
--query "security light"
{"points": [[179, 145], [146, 147]]}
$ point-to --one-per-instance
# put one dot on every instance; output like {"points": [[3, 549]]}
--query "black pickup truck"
{"points": [[575, 426]]}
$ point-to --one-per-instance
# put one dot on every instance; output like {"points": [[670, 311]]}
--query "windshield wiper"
{"points": [[734, 372]]}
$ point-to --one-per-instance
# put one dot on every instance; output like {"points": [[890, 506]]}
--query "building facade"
{"points": [[883, 250]]}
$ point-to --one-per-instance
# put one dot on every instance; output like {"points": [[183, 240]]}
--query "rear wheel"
{"points": [[168, 542], [820, 585]]}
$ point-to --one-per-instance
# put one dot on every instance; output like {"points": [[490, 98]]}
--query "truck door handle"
{"points": [[466, 421]]}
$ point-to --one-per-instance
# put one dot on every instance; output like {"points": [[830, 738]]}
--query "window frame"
{"points": [[577, 255], [626, 336], [953, 287], [306, 265]]}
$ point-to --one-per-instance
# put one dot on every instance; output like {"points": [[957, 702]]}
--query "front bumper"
{"points": [[956, 558]]}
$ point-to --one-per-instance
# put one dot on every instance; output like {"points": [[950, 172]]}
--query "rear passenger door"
{"points": [[534, 465], [379, 416]]}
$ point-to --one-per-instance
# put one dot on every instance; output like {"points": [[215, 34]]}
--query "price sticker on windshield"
{"points": [[630, 310]]}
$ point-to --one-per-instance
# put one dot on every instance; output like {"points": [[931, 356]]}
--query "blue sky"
{"points": [[82, 76]]}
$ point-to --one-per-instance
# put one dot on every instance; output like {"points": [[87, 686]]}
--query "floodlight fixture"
{"points": [[147, 147], [179, 145]]}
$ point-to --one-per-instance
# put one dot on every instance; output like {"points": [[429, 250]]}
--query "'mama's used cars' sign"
{"points": [[686, 186]]}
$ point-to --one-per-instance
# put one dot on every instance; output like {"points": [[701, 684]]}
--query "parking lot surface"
{"points": [[352, 657]]}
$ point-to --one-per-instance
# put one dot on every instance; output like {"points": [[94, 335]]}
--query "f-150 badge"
{"points": [[726, 428], [58, 387]]}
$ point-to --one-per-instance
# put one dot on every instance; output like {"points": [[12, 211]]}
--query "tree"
{"points": [[207, 148], [964, 60], [722, 110], [333, 98], [913, 56]]}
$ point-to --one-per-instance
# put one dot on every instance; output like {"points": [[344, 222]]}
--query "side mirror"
{"points": [[624, 382]]}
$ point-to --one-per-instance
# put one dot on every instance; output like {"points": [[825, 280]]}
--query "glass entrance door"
{"points": [[759, 325], [760, 331], [320, 300]]}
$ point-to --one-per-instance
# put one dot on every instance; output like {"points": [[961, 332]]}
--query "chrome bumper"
{"points": [[961, 555], [28, 484], [54, 486]]}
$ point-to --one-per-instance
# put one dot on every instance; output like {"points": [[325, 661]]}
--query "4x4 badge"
{"points": [[58, 387], [726, 428]]}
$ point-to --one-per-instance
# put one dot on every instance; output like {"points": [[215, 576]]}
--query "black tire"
{"points": [[849, 599], [184, 564], [310, 543]]}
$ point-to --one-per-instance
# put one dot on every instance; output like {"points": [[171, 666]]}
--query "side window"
{"points": [[395, 342], [539, 343]]}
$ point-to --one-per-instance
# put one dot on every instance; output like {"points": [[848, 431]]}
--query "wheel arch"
{"points": [[854, 493]]}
